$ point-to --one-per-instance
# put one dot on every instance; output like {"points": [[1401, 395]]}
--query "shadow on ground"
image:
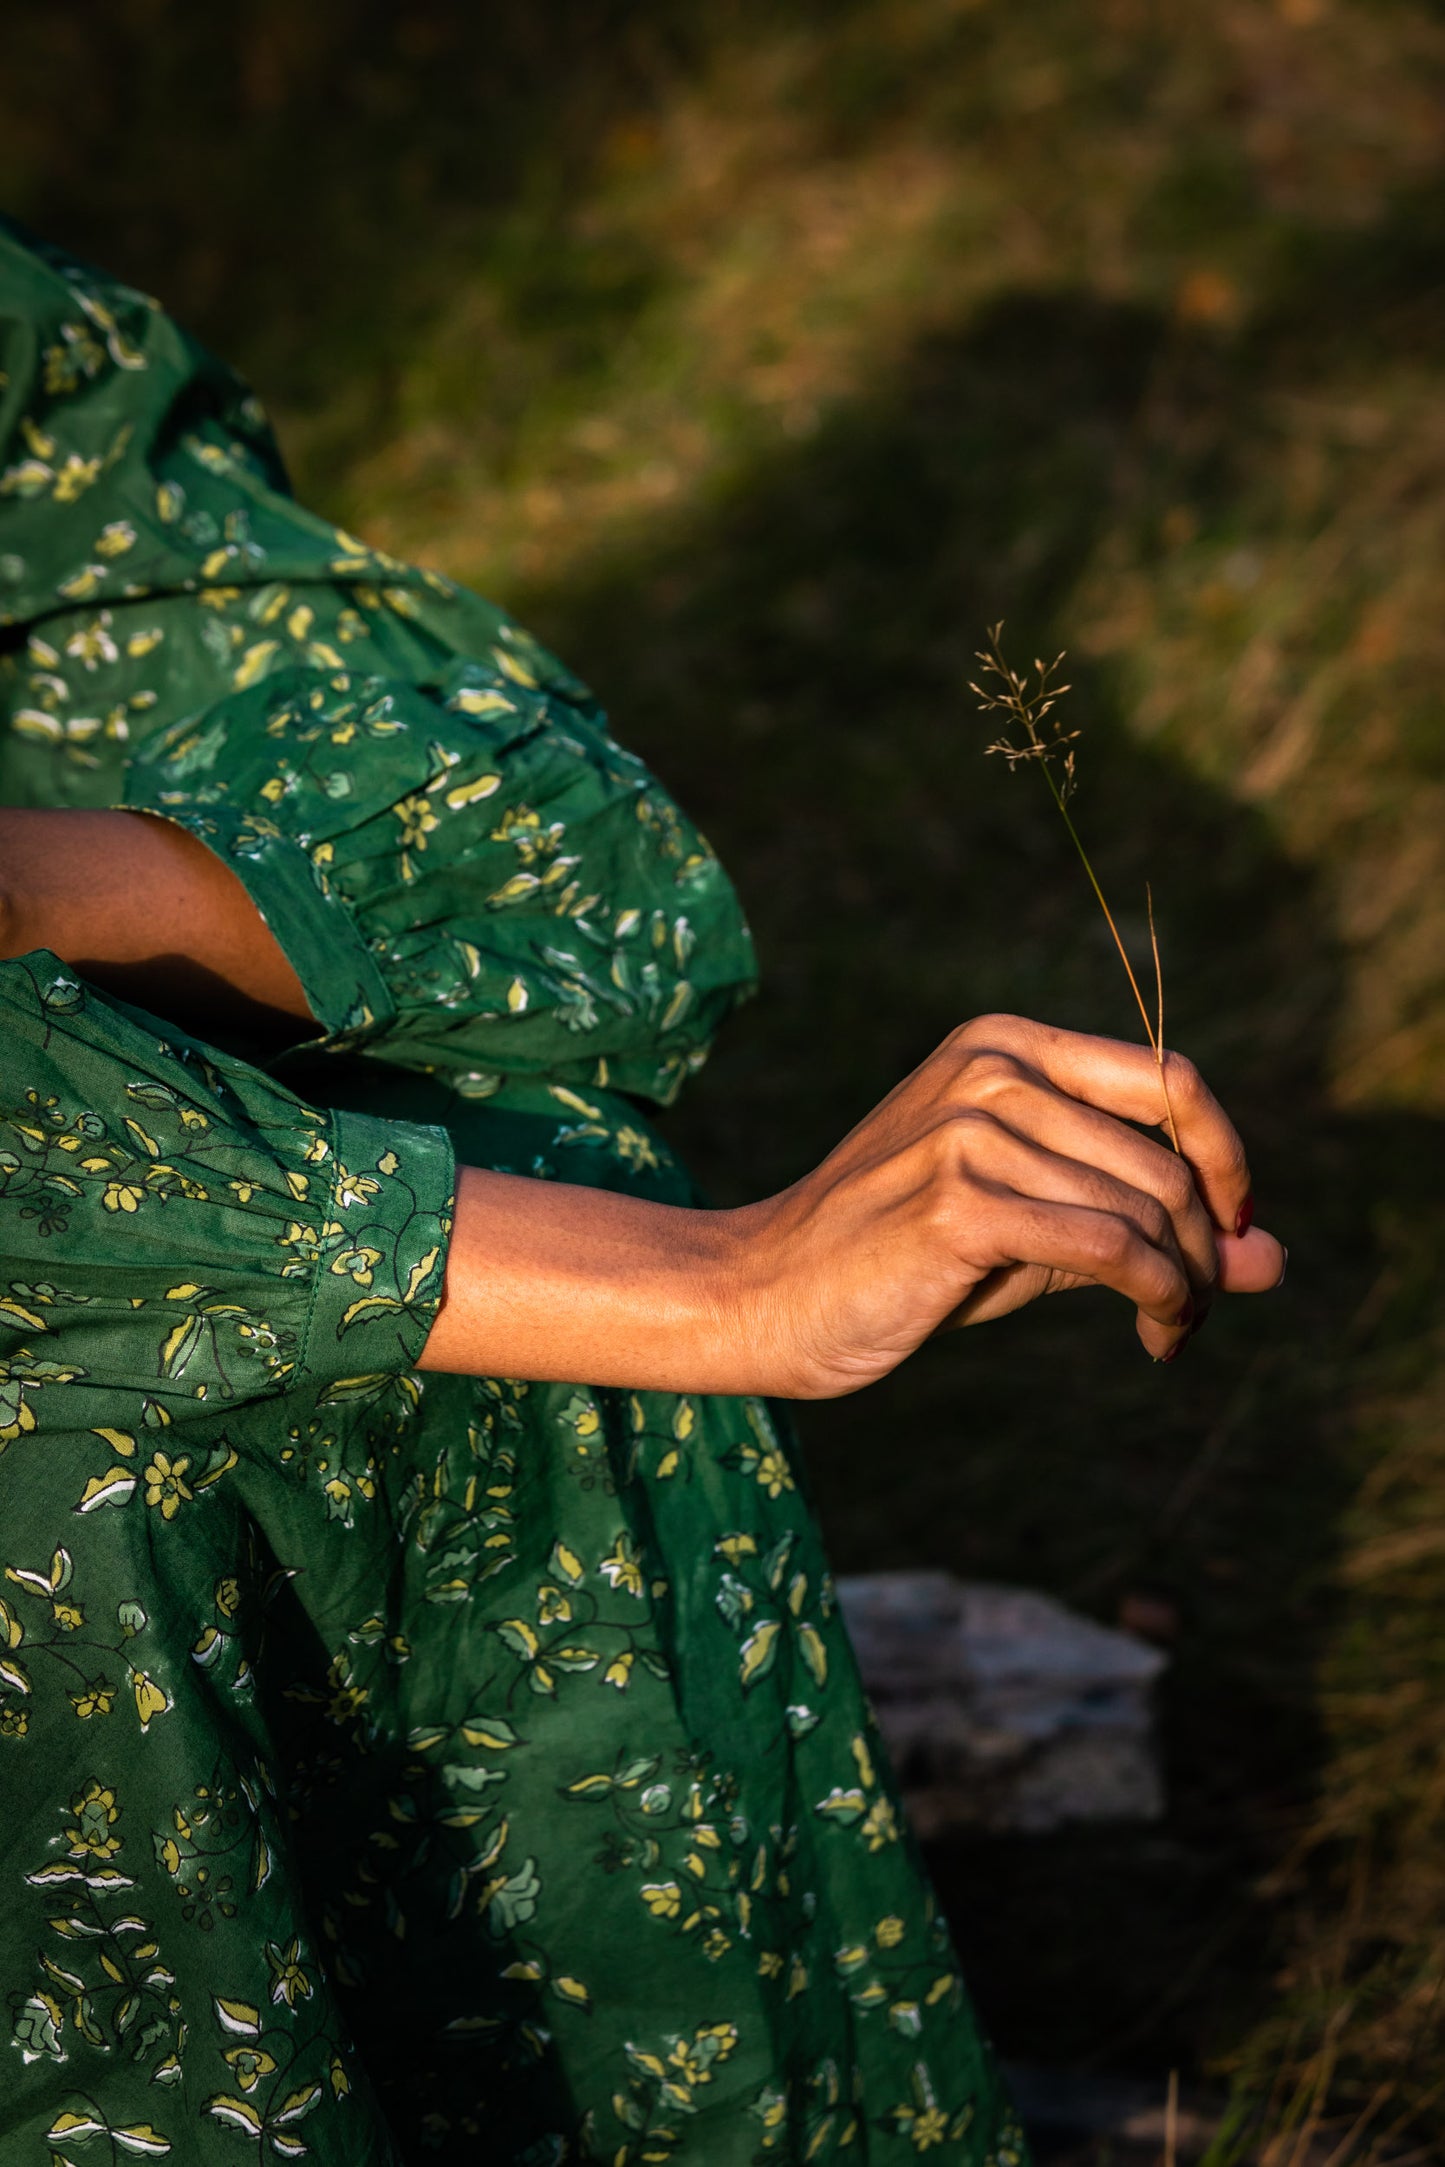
{"points": [[794, 663]]}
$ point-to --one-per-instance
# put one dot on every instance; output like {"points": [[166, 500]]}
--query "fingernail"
{"points": [[1283, 1268], [1186, 1315], [1174, 1352], [1245, 1220]]}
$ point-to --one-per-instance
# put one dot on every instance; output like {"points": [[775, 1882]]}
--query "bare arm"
{"points": [[1006, 1167], [145, 910]]}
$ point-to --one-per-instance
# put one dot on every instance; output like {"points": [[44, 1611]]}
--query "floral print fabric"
{"points": [[393, 1766]]}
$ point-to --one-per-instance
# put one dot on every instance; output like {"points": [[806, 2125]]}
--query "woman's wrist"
{"points": [[555, 1283]]}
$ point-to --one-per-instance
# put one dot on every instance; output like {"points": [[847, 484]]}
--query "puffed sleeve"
{"points": [[179, 1232], [470, 877]]}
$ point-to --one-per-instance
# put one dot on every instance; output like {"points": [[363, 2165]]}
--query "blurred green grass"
{"points": [[759, 357]]}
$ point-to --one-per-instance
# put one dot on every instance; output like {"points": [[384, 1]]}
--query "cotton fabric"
{"points": [[393, 1766]]}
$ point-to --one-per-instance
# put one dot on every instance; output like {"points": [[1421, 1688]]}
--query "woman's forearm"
{"points": [[1006, 1167], [552, 1282]]}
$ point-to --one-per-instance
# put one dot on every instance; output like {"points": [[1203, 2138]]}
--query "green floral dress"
{"points": [[390, 1766]]}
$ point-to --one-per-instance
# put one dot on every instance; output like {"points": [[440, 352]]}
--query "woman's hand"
{"points": [[1004, 1168]]}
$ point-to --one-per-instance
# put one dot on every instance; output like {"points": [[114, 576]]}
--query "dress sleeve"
{"points": [[179, 1232], [470, 878]]}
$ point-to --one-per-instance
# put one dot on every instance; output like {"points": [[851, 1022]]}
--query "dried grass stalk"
{"points": [[1027, 702]]}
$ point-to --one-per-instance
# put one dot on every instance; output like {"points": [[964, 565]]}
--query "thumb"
{"points": [[1250, 1263]]}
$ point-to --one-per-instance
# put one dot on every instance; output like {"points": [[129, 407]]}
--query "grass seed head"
{"points": [[1027, 702]]}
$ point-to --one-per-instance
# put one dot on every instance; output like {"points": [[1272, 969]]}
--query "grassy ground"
{"points": [[760, 356]]}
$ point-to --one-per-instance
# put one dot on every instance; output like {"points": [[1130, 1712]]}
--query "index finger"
{"points": [[1125, 1081]]}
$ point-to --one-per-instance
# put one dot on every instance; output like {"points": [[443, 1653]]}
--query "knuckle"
{"points": [[994, 1029], [989, 1073], [961, 1144], [1109, 1242], [1183, 1078]]}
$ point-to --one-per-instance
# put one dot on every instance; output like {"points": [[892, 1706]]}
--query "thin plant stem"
{"points": [[1159, 1019], [1029, 709]]}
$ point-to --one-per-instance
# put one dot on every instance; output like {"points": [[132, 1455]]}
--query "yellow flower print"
{"points": [[95, 1813], [770, 1964], [122, 1196], [693, 2059], [769, 1468], [243, 1191], [301, 1238], [250, 2064], [16, 1413], [76, 356], [347, 1700], [289, 1982], [889, 1932], [622, 1567], [634, 1149], [418, 821], [68, 1616], [880, 1825], [97, 1699], [150, 1699], [228, 1597], [619, 1670], [929, 2128], [662, 1898], [165, 1484], [359, 1264], [553, 1607], [353, 1188], [168, 1851], [14, 1722], [74, 478], [115, 538], [771, 2108], [92, 644]]}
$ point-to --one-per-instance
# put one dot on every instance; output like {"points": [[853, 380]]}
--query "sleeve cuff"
{"points": [[318, 936], [382, 1249]]}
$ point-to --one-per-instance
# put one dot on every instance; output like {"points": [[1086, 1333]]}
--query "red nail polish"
{"points": [[1245, 1220], [1186, 1315], [1174, 1352]]}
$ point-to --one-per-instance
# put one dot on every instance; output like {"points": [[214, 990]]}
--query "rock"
{"points": [[1001, 1708]]}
